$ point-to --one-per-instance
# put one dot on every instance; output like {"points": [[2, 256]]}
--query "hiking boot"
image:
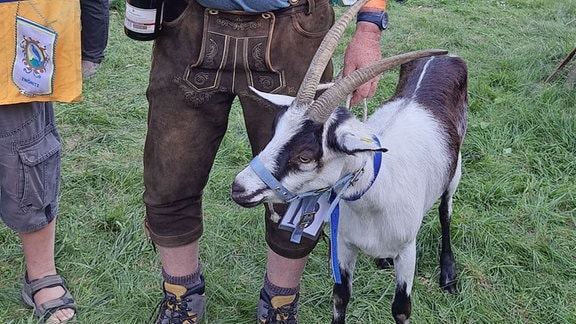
{"points": [[278, 309], [181, 305]]}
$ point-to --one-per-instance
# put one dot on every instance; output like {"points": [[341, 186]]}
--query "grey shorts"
{"points": [[29, 166]]}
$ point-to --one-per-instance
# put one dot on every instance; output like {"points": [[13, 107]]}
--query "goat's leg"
{"points": [[447, 264], [341, 293], [405, 267]]}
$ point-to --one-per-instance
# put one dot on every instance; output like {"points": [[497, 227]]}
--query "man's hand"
{"points": [[364, 49]]}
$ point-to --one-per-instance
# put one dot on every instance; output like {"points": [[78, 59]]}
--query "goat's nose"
{"points": [[237, 191], [242, 197]]}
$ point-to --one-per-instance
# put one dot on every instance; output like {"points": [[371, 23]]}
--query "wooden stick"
{"points": [[561, 65]]}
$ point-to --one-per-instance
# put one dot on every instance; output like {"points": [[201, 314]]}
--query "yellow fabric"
{"points": [[176, 290], [280, 301], [64, 17]]}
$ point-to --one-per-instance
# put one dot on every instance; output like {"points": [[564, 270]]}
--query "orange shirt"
{"points": [[64, 17]]}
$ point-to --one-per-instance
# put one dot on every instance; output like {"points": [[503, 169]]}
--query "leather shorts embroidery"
{"points": [[235, 54]]}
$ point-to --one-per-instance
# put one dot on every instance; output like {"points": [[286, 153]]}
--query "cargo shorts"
{"points": [[201, 62], [29, 166]]}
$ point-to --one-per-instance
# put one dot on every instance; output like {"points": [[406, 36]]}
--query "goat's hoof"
{"points": [[401, 319], [449, 287], [384, 263]]}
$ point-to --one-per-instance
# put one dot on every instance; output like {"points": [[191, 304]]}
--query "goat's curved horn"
{"points": [[323, 107], [307, 90]]}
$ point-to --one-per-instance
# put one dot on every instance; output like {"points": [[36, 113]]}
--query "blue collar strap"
{"points": [[377, 162]]}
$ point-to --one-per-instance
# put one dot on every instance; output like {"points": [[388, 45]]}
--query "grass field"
{"points": [[514, 224]]}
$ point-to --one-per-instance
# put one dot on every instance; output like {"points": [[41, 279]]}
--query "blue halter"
{"points": [[310, 198], [272, 183]]}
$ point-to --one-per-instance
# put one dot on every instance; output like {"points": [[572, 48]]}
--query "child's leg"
{"points": [[38, 250], [30, 173]]}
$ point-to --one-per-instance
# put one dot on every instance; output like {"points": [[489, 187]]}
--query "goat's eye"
{"points": [[304, 159]]}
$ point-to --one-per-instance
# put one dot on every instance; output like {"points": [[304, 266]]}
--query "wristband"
{"points": [[378, 18]]}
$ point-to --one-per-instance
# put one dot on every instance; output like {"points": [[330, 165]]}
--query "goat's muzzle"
{"points": [[242, 197]]}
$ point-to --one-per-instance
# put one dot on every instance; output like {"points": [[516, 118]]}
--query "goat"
{"points": [[316, 144]]}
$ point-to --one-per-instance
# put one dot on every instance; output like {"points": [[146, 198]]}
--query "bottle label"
{"points": [[140, 20]]}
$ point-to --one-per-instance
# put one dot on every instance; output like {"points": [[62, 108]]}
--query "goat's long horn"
{"points": [[323, 107], [307, 90]]}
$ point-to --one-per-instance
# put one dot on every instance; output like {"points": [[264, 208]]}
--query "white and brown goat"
{"points": [[421, 129]]}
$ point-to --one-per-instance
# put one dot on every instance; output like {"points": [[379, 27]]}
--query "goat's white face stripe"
{"points": [[289, 125], [294, 129]]}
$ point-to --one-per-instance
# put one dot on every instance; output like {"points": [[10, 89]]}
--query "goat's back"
{"points": [[430, 104], [440, 84], [424, 123]]}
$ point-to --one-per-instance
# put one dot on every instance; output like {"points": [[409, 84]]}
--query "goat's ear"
{"points": [[360, 143], [276, 99]]}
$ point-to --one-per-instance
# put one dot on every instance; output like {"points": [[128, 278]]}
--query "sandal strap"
{"points": [[47, 309], [52, 306], [46, 282]]}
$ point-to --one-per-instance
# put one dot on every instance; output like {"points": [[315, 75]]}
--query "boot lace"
{"points": [[173, 310], [285, 314]]}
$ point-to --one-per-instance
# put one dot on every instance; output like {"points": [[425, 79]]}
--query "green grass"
{"points": [[514, 225]]}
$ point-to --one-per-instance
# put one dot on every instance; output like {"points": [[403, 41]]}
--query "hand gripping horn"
{"points": [[307, 90]]}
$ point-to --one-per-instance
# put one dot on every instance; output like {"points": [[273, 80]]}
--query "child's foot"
{"points": [[50, 299]]}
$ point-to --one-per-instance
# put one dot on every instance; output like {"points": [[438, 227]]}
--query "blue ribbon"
{"points": [[308, 205], [334, 213], [334, 218]]}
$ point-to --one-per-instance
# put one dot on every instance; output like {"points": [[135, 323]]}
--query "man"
{"points": [[209, 53]]}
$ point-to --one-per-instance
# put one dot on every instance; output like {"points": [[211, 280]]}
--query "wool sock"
{"points": [[273, 290], [190, 281]]}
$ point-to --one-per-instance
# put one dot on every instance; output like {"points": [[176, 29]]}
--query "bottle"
{"points": [[143, 19]]}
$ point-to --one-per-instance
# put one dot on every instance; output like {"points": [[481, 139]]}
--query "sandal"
{"points": [[50, 307]]}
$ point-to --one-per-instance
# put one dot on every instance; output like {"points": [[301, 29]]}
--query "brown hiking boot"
{"points": [[181, 305]]}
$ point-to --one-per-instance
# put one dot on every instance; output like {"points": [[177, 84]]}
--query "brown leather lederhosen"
{"points": [[201, 62]]}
